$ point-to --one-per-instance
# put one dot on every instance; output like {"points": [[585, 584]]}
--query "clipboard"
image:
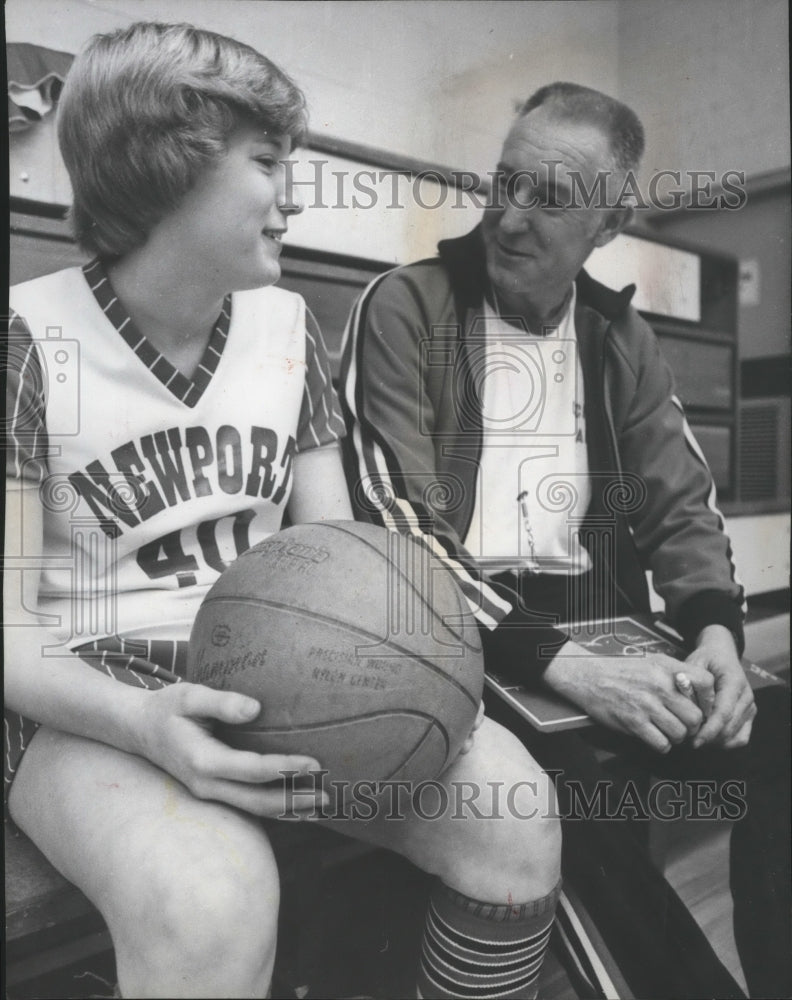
{"points": [[636, 635]]}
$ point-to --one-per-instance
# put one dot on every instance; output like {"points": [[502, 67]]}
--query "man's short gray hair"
{"points": [[592, 107]]}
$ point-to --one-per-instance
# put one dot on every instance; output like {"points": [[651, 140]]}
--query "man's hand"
{"points": [[633, 694], [729, 723]]}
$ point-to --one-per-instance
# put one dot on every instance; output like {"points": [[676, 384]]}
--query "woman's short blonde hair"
{"points": [[145, 109]]}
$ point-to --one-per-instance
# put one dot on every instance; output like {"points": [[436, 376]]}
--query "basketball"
{"points": [[358, 644]]}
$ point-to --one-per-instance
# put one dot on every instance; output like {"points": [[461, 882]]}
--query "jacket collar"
{"points": [[466, 263]]}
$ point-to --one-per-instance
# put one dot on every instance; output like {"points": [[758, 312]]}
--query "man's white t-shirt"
{"points": [[533, 487]]}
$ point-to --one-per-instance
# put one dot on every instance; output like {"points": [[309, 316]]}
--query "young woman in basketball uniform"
{"points": [[167, 406]]}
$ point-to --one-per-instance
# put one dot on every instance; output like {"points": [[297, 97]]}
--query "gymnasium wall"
{"points": [[710, 80], [413, 78]]}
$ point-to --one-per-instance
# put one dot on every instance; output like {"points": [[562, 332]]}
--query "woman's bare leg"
{"points": [[189, 888], [498, 836]]}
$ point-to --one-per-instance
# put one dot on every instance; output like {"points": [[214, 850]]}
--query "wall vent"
{"points": [[764, 449]]}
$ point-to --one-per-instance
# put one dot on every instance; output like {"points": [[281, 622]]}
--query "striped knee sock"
{"points": [[474, 949]]}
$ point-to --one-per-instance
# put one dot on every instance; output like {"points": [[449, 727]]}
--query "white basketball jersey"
{"points": [[149, 497]]}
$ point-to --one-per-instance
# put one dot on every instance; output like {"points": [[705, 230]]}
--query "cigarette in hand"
{"points": [[684, 686]]}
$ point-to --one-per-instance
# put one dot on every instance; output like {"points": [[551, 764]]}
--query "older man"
{"points": [[518, 416]]}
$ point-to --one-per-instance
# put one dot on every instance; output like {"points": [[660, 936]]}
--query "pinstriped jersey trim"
{"points": [[187, 390], [321, 422], [150, 664], [26, 439]]}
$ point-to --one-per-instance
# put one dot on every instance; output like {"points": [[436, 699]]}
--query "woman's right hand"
{"points": [[174, 732], [171, 727]]}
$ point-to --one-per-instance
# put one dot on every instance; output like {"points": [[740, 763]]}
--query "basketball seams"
{"points": [[252, 728], [355, 629], [462, 610], [435, 726]]}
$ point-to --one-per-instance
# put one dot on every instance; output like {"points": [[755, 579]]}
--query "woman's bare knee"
{"points": [[516, 834], [207, 926], [189, 888], [498, 833]]}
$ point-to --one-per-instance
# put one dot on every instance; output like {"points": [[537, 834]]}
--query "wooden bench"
{"points": [[49, 923]]}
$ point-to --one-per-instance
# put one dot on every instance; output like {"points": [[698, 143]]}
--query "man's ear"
{"points": [[613, 223]]}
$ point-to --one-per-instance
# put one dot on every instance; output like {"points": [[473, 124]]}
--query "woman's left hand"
{"points": [[477, 723]]}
